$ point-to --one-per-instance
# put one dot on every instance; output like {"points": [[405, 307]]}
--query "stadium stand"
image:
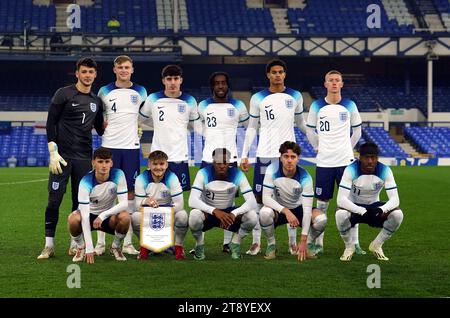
{"points": [[431, 140], [15, 15], [349, 17], [227, 17], [388, 146], [376, 93]]}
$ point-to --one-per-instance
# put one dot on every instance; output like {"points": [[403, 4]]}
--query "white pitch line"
{"points": [[22, 182]]}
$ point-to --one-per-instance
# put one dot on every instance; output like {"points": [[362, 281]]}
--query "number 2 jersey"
{"points": [[170, 118], [332, 123], [121, 111]]}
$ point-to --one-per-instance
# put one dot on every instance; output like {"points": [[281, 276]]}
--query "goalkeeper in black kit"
{"points": [[73, 112]]}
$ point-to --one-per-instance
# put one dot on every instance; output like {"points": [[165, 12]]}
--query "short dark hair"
{"points": [[285, 146], [86, 61], [275, 62], [369, 149], [102, 153], [212, 78], [158, 155], [218, 154], [171, 70]]}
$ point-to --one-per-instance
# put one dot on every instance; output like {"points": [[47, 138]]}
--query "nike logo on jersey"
{"points": [[111, 100], [323, 117], [159, 107], [73, 104], [267, 106]]}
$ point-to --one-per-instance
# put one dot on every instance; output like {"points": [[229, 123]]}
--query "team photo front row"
{"points": [[287, 198]]}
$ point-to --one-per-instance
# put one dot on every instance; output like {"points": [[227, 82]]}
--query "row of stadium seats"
{"points": [[431, 140], [30, 148], [373, 97], [219, 17], [342, 17], [15, 15], [388, 147]]}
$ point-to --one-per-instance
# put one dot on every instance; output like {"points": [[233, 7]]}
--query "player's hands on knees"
{"points": [[151, 202], [291, 218], [226, 219], [302, 248], [97, 223], [244, 164], [90, 258], [376, 214]]}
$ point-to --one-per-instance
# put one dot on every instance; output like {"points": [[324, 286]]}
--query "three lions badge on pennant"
{"points": [[157, 228]]}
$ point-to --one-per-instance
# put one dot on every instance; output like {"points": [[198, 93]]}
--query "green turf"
{"points": [[419, 252]]}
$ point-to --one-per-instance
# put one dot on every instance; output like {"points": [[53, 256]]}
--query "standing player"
{"points": [[212, 202], [98, 192], [159, 186], [277, 108], [171, 111], [73, 112], [221, 115], [330, 121], [288, 198], [359, 201], [122, 100]]}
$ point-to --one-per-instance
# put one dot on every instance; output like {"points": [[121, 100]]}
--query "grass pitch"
{"points": [[419, 254]]}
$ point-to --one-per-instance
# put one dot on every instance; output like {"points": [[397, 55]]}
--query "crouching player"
{"points": [[212, 202], [97, 210], [288, 197], [156, 187], [359, 201]]}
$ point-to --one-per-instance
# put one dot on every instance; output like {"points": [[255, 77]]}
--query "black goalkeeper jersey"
{"points": [[71, 117]]}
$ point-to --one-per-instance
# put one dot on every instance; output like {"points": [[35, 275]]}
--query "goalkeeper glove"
{"points": [[55, 159]]}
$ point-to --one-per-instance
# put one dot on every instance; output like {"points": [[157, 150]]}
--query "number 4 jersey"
{"points": [[332, 123], [121, 111]]}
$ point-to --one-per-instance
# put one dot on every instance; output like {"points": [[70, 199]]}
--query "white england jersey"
{"points": [[332, 123], [366, 188], [170, 118], [101, 196], [220, 193], [288, 192], [162, 192], [276, 113], [121, 111], [220, 125]]}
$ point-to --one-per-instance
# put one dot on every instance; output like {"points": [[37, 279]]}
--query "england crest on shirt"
{"points": [[230, 112], [289, 103], [93, 107], [165, 194], [134, 99], [157, 221], [181, 108], [297, 191], [343, 116], [377, 186]]}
